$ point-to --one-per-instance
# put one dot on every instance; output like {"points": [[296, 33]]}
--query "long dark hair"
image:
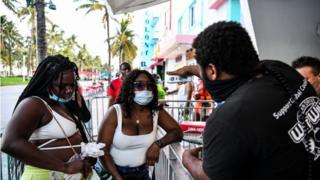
{"points": [[127, 92], [50, 69]]}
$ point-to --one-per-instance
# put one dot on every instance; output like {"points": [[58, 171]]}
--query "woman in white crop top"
{"points": [[129, 129], [49, 103]]}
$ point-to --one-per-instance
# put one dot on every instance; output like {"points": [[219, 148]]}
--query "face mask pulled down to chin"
{"points": [[58, 99]]}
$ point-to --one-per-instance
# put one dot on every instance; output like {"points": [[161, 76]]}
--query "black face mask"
{"points": [[221, 89]]}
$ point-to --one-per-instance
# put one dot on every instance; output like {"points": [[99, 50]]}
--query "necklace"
{"points": [[137, 123]]}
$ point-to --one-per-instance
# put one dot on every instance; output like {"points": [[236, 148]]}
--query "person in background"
{"points": [[161, 91], [265, 125], [115, 86], [129, 129], [202, 109], [48, 121], [183, 92], [309, 68]]}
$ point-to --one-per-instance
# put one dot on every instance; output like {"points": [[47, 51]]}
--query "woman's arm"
{"points": [[174, 134], [29, 116], [105, 135]]}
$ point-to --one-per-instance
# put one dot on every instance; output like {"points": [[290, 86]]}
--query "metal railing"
{"points": [[11, 169], [170, 165], [189, 110]]}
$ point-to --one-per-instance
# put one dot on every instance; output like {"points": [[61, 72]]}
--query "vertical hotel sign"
{"points": [[149, 41]]}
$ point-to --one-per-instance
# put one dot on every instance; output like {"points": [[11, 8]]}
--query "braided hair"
{"points": [[49, 70]]}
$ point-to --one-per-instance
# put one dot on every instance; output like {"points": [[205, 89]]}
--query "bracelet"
{"points": [[159, 143]]}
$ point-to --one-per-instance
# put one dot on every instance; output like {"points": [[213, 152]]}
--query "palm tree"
{"points": [[41, 30], [94, 5], [39, 6], [10, 4], [69, 46], [55, 39], [30, 13], [10, 38], [122, 45], [81, 57]]}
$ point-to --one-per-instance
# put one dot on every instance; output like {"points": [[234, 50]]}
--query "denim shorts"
{"points": [[138, 173]]}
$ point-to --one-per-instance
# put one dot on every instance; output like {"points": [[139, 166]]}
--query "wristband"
{"points": [[159, 143]]}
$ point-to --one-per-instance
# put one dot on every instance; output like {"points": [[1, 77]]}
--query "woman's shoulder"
{"points": [[111, 114], [33, 102], [30, 108]]}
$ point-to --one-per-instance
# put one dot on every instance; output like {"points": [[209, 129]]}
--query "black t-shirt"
{"points": [[255, 133]]}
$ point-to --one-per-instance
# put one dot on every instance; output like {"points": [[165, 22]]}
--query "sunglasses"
{"points": [[139, 85]]}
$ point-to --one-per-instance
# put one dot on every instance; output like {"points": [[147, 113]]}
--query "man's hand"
{"points": [[193, 164], [191, 155], [191, 70]]}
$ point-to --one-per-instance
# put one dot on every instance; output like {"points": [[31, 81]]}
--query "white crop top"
{"points": [[52, 130], [131, 150]]}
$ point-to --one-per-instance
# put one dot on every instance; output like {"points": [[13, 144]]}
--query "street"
{"points": [[8, 97]]}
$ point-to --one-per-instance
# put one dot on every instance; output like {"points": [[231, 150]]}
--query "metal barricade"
{"points": [[98, 106], [170, 161], [11, 169], [170, 165], [189, 110]]}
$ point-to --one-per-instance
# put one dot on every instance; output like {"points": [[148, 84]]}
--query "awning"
{"points": [[125, 6], [176, 45], [156, 62], [105, 75]]}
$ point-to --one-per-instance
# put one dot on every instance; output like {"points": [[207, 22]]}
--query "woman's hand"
{"points": [[152, 154], [91, 160], [77, 166], [78, 98]]}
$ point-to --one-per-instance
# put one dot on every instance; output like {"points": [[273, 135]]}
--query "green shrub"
{"points": [[16, 80]]}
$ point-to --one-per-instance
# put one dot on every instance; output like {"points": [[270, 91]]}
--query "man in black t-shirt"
{"points": [[267, 122]]}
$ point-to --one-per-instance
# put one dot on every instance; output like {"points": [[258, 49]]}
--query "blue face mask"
{"points": [[59, 99], [143, 97]]}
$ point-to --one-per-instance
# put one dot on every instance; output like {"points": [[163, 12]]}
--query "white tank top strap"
{"points": [[43, 102], [64, 133], [119, 115], [48, 142]]}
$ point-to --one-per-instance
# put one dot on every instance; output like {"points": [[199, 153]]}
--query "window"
{"points": [[192, 15], [180, 25]]}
